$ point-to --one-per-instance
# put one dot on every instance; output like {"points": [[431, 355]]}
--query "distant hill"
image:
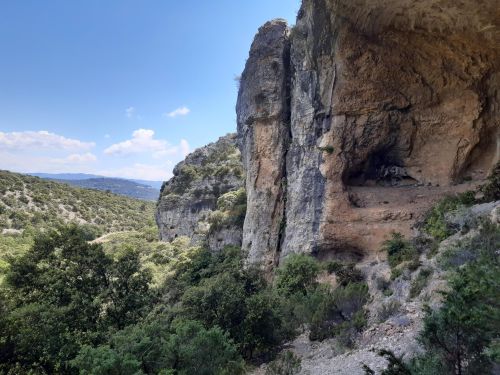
{"points": [[27, 201], [85, 176], [30, 204], [116, 186], [138, 189]]}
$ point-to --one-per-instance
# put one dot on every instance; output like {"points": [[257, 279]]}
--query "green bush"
{"points": [[399, 250], [420, 282], [333, 266], [388, 310], [491, 189], [286, 364], [468, 322], [231, 210], [183, 347], [435, 222], [470, 249], [182, 181], [348, 274], [65, 293], [297, 275], [339, 313]]}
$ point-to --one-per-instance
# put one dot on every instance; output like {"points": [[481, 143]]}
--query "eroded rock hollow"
{"points": [[353, 122]]}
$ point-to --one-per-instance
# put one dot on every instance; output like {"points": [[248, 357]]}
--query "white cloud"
{"points": [[27, 162], [41, 140], [182, 111], [81, 158], [143, 141], [130, 112]]}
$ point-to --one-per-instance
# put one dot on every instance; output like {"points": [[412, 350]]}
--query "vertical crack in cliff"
{"points": [[287, 113]]}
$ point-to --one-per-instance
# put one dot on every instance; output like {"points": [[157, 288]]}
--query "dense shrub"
{"points": [[231, 210], [298, 274], [468, 322], [466, 251], [286, 364], [435, 222], [339, 312], [187, 174], [64, 293], [388, 310], [399, 251], [420, 282], [248, 311], [348, 274], [491, 189], [183, 347]]}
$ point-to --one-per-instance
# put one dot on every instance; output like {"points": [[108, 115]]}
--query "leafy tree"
{"points": [[154, 348], [239, 304], [263, 327], [395, 365], [127, 291], [468, 321], [298, 274], [219, 300], [64, 293]]}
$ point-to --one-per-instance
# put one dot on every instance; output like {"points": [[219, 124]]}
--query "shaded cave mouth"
{"points": [[380, 170]]}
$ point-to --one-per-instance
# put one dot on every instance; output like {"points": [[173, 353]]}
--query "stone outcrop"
{"points": [[355, 121], [188, 204], [263, 128]]}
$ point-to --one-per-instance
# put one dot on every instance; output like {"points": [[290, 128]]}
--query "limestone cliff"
{"points": [[264, 137], [352, 123], [205, 200]]}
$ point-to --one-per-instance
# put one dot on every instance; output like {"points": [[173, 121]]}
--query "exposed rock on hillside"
{"points": [[395, 318], [205, 200], [354, 122]]}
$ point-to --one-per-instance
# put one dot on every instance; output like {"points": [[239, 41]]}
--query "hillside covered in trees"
{"points": [[29, 205]]}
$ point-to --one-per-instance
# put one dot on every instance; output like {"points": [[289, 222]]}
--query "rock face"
{"points": [[263, 129], [189, 203], [355, 121]]}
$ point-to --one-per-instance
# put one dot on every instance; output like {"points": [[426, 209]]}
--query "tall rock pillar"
{"points": [[264, 134]]}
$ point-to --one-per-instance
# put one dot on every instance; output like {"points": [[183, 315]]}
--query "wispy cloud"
{"points": [[182, 111], [41, 140], [81, 158], [26, 162], [143, 141], [130, 112]]}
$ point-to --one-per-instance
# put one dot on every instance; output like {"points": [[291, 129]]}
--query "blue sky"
{"points": [[121, 87]]}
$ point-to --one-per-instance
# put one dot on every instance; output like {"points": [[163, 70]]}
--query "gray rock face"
{"points": [[347, 120], [188, 204], [263, 135]]}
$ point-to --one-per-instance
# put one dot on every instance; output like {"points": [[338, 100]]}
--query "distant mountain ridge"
{"points": [[86, 176], [138, 189]]}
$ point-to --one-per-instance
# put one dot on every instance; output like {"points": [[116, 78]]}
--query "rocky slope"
{"points": [[395, 313], [203, 201], [352, 123]]}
